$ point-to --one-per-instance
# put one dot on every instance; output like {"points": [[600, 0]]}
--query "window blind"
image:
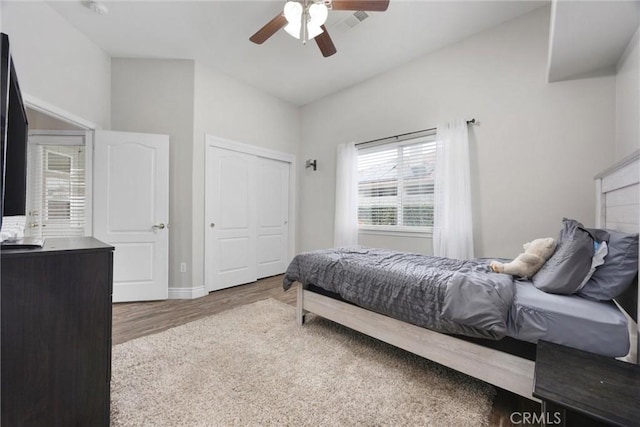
{"points": [[56, 190], [395, 185]]}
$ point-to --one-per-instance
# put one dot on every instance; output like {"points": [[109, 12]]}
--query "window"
{"points": [[57, 186], [395, 186]]}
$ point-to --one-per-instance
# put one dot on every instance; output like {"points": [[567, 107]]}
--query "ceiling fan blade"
{"points": [[269, 29], [325, 43], [368, 5]]}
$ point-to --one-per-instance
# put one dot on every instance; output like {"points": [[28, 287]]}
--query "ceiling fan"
{"points": [[304, 19]]}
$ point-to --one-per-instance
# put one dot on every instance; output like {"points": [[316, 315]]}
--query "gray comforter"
{"points": [[445, 295]]}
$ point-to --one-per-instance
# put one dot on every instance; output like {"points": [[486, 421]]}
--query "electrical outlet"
{"points": [[183, 267]]}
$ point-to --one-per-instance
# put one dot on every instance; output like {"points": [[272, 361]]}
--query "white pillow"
{"points": [[598, 259]]}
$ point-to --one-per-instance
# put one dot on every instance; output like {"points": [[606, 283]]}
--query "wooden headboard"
{"points": [[618, 208]]}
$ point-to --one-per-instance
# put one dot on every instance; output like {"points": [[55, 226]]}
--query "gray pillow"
{"points": [[618, 271], [564, 272]]}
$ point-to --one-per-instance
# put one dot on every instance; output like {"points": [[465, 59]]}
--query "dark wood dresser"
{"points": [[56, 333]]}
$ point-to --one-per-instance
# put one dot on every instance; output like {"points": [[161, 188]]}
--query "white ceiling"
{"points": [[589, 37], [216, 34]]}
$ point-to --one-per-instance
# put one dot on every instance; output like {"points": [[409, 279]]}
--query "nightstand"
{"points": [[602, 388]]}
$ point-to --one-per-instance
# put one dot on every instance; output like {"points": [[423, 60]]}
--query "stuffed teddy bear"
{"points": [[536, 253]]}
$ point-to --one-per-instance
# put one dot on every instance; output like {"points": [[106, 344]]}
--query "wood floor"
{"points": [[134, 320]]}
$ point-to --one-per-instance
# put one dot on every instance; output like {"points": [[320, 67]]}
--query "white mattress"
{"points": [[568, 319]]}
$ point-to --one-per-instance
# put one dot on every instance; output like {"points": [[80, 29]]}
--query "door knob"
{"points": [[213, 224], [158, 226]]}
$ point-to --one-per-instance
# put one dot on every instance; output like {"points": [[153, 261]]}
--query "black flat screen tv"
{"points": [[13, 137]]}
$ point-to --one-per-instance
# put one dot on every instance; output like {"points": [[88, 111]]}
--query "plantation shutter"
{"points": [[395, 185], [57, 196]]}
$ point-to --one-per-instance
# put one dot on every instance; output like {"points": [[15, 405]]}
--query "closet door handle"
{"points": [[213, 224], [158, 226]]}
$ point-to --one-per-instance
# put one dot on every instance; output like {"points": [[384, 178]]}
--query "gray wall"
{"points": [[628, 100], [533, 156], [232, 110], [156, 96], [56, 63], [187, 101]]}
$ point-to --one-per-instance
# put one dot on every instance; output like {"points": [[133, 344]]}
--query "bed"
{"points": [[531, 314]]}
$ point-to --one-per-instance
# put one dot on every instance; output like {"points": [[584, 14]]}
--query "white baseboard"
{"points": [[187, 293]]}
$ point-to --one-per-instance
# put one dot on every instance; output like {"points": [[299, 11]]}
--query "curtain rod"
{"points": [[469, 122]]}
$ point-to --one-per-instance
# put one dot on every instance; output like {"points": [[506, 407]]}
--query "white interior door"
{"points": [[131, 211], [273, 216], [230, 210]]}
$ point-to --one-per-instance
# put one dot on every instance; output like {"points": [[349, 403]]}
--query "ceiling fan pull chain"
{"points": [[305, 20]]}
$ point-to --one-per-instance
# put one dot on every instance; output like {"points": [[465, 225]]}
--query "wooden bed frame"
{"points": [[618, 191]]}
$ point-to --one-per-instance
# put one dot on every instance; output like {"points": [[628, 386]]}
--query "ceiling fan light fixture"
{"points": [[318, 14], [304, 21], [293, 12], [313, 31], [293, 29]]}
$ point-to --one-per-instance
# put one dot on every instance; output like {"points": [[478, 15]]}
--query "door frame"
{"points": [[58, 113], [87, 135], [227, 144], [85, 126]]}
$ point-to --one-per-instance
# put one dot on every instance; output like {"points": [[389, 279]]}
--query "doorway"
{"points": [[133, 219]]}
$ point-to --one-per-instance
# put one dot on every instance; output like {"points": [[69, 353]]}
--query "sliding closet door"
{"points": [[230, 240], [273, 216], [249, 214]]}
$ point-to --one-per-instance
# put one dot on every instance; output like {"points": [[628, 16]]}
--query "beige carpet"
{"points": [[253, 365]]}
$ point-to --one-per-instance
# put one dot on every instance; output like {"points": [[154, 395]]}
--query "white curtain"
{"points": [[452, 223], [346, 219]]}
